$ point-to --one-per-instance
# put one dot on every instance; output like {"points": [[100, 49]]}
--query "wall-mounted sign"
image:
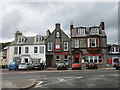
{"points": [[57, 47]]}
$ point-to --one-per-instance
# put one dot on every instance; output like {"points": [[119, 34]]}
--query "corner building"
{"points": [[89, 44]]}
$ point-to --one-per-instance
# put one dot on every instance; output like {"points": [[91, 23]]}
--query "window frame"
{"points": [[57, 34], [27, 49], [65, 46], [41, 50], [16, 51], [49, 43], [95, 42], [35, 49], [76, 42]]}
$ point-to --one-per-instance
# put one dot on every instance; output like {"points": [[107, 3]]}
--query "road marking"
{"points": [[38, 83], [59, 80]]}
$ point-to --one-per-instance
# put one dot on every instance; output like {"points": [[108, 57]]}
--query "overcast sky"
{"points": [[32, 18]]}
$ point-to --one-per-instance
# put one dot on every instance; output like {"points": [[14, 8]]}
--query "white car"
{"points": [[23, 66]]}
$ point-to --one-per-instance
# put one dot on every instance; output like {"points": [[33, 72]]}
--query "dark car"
{"points": [[117, 65], [13, 65], [61, 66], [37, 66], [91, 65], [76, 66]]}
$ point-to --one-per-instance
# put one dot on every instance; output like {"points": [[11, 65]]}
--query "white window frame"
{"points": [[76, 43], [27, 50], [94, 42], [16, 50], [81, 31], [56, 57], [94, 31], [57, 34], [65, 46], [64, 57], [88, 40], [48, 46], [114, 49], [41, 50]]}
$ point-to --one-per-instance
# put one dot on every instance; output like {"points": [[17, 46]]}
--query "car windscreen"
{"points": [[61, 64], [12, 63], [22, 64]]}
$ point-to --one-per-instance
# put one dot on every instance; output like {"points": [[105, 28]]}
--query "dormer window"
{"points": [[81, 31], [38, 39], [57, 34], [21, 39], [115, 49], [94, 31]]}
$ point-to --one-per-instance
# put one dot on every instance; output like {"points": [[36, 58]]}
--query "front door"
{"points": [[49, 59], [77, 56]]}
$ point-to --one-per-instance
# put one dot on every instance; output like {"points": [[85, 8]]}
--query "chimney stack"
{"points": [[102, 25], [57, 26], [18, 33]]}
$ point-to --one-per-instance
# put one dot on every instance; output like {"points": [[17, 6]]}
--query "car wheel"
{"points": [[57, 68], [9, 69], [79, 68], [117, 68]]}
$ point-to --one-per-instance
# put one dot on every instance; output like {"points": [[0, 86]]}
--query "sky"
{"points": [[35, 18]]}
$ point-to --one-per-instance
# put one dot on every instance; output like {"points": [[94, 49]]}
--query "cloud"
{"points": [[36, 17]]}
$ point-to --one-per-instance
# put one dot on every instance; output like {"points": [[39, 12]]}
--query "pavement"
{"points": [[18, 83]]}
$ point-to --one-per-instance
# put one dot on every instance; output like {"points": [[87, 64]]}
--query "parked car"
{"points": [[91, 65], [37, 66], [61, 65], [117, 65], [13, 65], [23, 66], [76, 66]]}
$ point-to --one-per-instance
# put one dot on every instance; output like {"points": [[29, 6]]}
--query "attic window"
{"points": [[94, 30], [38, 39], [81, 31], [21, 39], [57, 34]]}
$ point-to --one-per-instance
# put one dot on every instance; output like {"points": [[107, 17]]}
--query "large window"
{"points": [[81, 31], [65, 46], [15, 50], [93, 42], [76, 43], [35, 49], [41, 49], [94, 30], [96, 59], [49, 46], [26, 50]]}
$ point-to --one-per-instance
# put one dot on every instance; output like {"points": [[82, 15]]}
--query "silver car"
{"points": [[23, 66]]}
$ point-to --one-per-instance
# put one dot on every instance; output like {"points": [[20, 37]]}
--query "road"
{"points": [[67, 78]]}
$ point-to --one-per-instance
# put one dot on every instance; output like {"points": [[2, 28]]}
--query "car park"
{"points": [[13, 65], [61, 66], [91, 65], [117, 65], [76, 66], [23, 66]]}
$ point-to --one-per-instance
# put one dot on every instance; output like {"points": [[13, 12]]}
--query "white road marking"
{"points": [[38, 83], [59, 80]]}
